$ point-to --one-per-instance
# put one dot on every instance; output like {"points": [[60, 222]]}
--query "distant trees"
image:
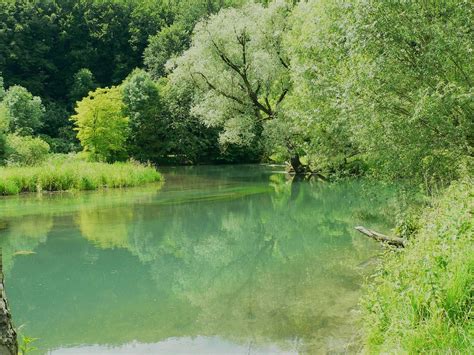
{"points": [[83, 82], [44, 43], [22, 111], [45, 47], [21, 116]]}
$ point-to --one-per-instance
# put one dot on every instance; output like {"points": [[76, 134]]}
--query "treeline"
{"points": [[338, 88], [60, 50]]}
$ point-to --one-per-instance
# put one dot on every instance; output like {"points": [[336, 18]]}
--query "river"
{"points": [[216, 260]]}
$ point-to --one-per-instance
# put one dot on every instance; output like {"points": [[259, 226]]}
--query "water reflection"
{"points": [[233, 256], [177, 346]]}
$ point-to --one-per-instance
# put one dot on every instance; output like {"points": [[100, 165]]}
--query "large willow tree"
{"points": [[388, 82], [240, 73]]}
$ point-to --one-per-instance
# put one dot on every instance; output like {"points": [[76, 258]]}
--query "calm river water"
{"points": [[217, 260]]}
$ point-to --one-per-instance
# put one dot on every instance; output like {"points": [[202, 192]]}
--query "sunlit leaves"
{"points": [[101, 124]]}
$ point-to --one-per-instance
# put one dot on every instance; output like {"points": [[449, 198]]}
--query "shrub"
{"points": [[421, 298], [25, 150]]}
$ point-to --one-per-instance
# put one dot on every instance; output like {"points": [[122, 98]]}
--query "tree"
{"points": [[175, 37], [101, 124], [170, 41], [410, 88], [320, 63], [149, 136], [240, 71], [2, 88], [24, 112], [83, 82], [161, 128], [3, 123]]}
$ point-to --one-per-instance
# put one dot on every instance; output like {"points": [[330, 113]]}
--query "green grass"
{"points": [[421, 299], [74, 175]]}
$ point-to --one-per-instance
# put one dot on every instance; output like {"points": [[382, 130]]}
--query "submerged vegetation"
{"points": [[332, 88], [74, 175]]}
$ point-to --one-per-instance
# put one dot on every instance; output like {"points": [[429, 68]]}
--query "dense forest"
{"points": [[341, 89], [337, 89]]}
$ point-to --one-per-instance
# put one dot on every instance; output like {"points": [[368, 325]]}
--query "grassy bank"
{"points": [[74, 175], [422, 297]]}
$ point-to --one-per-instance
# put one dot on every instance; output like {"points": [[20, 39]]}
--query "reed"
{"points": [[74, 175]]}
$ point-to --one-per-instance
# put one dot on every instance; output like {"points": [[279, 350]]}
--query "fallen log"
{"points": [[396, 241]]}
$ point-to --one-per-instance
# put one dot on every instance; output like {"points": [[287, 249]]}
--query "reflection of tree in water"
{"points": [[105, 228], [21, 236], [103, 217], [274, 267], [247, 266]]}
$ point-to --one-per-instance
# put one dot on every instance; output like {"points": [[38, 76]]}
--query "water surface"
{"points": [[217, 260]]}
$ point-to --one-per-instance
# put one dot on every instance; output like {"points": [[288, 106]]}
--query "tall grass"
{"points": [[422, 297], [74, 175]]}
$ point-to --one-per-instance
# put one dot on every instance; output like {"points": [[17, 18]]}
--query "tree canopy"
{"points": [[237, 63], [101, 124]]}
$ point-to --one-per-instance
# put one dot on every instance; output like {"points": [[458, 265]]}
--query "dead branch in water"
{"points": [[396, 241]]}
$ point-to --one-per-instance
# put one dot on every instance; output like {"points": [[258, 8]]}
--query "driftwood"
{"points": [[8, 341], [396, 241]]}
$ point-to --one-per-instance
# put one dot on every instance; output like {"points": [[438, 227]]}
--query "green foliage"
{"points": [[315, 107], [55, 39], [22, 110], [57, 128], [101, 124], [149, 136], [2, 88], [417, 77], [238, 70], [3, 129], [170, 41], [3, 147], [25, 150], [25, 346], [83, 82], [385, 83], [421, 299], [73, 174]]}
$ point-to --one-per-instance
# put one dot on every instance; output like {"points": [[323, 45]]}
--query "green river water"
{"points": [[217, 260]]}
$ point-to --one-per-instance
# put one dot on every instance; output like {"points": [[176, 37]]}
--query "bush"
{"points": [[421, 298], [25, 150], [66, 173]]}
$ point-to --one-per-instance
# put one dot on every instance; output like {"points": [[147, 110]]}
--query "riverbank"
{"points": [[74, 175], [421, 298]]}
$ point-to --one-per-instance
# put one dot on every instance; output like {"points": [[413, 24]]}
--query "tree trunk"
{"points": [[297, 166], [8, 341]]}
